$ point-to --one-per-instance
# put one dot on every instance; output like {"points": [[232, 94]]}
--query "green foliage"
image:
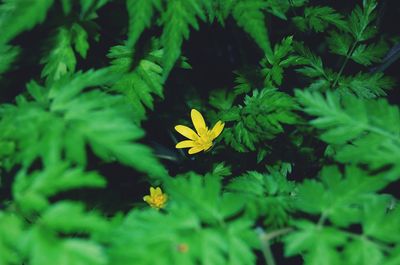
{"points": [[200, 226], [343, 200], [248, 14], [272, 68], [360, 131], [179, 16], [44, 238], [17, 16], [318, 18], [31, 192], [347, 40], [11, 232], [140, 15], [75, 163], [267, 195], [139, 84], [259, 119], [62, 60], [64, 118], [8, 55]]}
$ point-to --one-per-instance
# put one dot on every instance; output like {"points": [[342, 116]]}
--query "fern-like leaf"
{"points": [[17, 16], [361, 131], [140, 15], [260, 119], [249, 15], [177, 20]]}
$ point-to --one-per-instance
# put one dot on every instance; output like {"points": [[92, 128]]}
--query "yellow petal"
{"points": [[157, 191], [198, 121], [186, 131], [147, 198], [217, 129], [185, 144], [152, 192], [195, 150]]}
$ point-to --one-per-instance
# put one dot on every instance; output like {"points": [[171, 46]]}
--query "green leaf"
{"points": [[201, 193], [260, 119], [178, 237], [11, 232], [66, 250], [314, 66], [78, 219], [394, 257], [80, 39], [267, 195], [356, 127], [8, 54], [179, 16], [363, 251], [140, 15], [61, 60], [248, 14], [360, 20], [17, 16], [339, 43], [365, 85], [318, 243], [369, 54], [221, 99], [89, 8], [278, 8], [318, 18], [379, 222], [74, 119], [242, 84], [32, 191], [138, 85], [336, 197], [272, 68]]}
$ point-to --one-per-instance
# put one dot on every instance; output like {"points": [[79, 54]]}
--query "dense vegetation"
{"points": [[302, 167]]}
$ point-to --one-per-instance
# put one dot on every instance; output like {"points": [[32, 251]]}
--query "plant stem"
{"points": [[265, 239], [269, 257], [321, 220], [345, 63]]}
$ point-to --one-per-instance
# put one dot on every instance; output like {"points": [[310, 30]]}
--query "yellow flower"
{"points": [[203, 138], [157, 199]]}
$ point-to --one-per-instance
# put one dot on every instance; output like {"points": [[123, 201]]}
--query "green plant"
{"points": [[304, 160]]}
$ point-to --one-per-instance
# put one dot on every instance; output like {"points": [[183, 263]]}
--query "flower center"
{"points": [[158, 200]]}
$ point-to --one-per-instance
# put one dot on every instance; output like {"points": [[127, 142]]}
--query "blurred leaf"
{"points": [[8, 54], [17, 16]]}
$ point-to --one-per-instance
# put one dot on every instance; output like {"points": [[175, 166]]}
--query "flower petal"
{"points": [[147, 198], [157, 191], [217, 129], [185, 144], [152, 192], [195, 150], [198, 121], [187, 132]]}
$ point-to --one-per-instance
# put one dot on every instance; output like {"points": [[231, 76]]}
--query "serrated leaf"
{"points": [[8, 54], [369, 54], [17, 16], [248, 14], [363, 251], [318, 18], [140, 15], [319, 243], [365, 85], [179, 16]]}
